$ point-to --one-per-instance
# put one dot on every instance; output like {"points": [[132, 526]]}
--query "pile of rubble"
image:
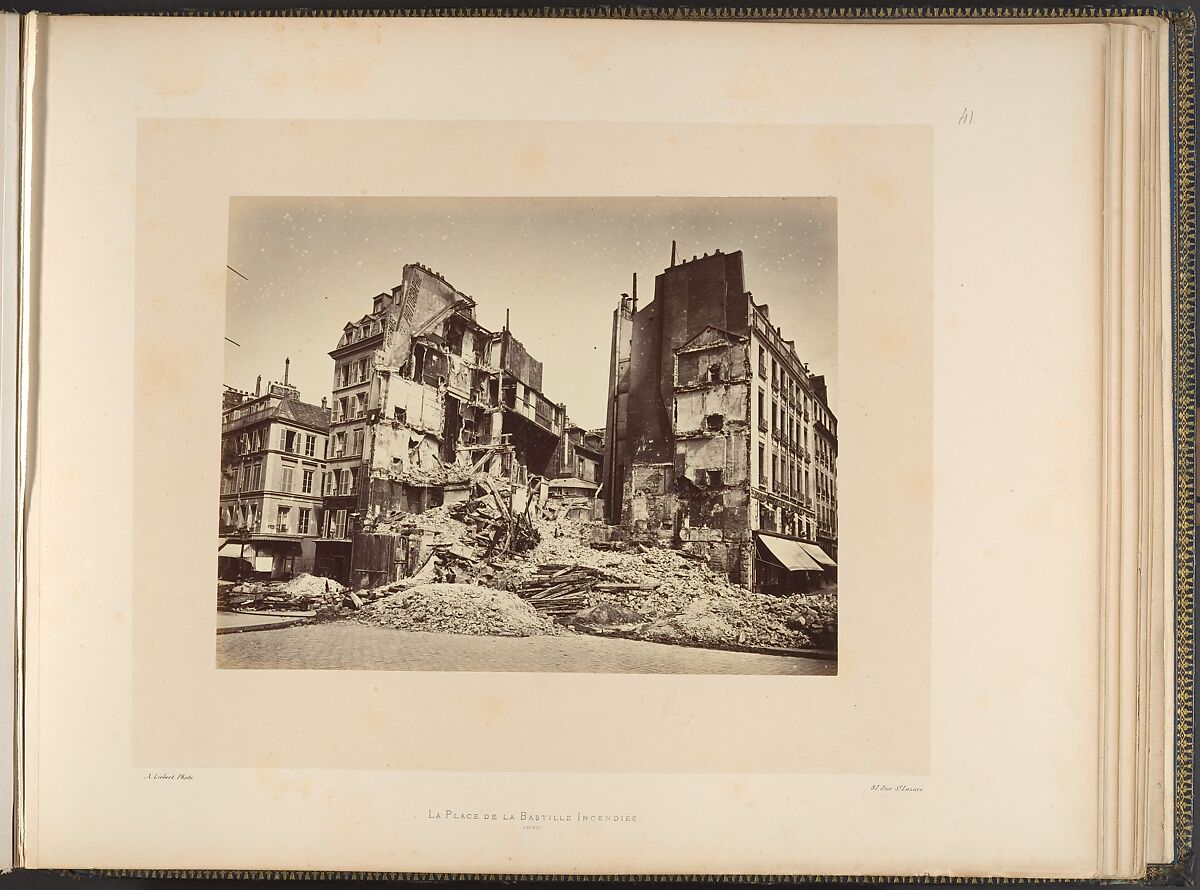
{"points": [[667, 596], [457, 609], [501, 551], [435, 519], [502, 521], [297, 594], [567, 589], [473, 538]]}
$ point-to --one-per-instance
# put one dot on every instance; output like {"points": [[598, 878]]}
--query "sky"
{"points": [[306, 266]]}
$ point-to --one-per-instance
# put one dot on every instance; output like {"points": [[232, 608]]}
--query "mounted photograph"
{"points": [[588, 435]]}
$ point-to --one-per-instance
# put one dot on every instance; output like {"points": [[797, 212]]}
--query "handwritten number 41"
{"points": [[967, 117]]}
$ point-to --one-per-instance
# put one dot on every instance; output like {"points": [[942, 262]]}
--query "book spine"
{"points": [[12, 406]]}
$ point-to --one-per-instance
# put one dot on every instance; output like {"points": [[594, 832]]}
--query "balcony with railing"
{"points": [[247, 415], [536, 409]]}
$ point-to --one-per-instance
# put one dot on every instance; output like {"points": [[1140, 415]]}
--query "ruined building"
{"points": [[576, 471], [719, 440], [272, 466], [423, 397]]}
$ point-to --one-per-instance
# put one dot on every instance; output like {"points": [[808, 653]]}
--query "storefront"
{"points": [[784, 565], [239, 561]]}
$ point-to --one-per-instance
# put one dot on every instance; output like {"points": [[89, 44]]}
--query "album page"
{"points": [[548, 381]]}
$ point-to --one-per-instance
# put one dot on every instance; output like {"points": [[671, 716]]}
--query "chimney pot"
{"points": [[258, 386]]}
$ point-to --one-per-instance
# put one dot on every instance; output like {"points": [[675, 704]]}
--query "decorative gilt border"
{"points": [[1183, 237]]}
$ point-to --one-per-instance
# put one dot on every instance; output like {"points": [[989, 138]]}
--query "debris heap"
{"points": [[501, 565], [498, 527], [457, 609], [473, 538], [664, 595], [298, 594], [566, 589]]}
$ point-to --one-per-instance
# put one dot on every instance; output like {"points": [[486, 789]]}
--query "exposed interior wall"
{"points": [[688, 298], [711, 409], [519, 363], [432, 412], [650, 501]]}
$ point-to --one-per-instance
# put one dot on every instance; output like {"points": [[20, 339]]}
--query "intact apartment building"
{"points": [[272, 472], [424, 397], [719, 439]]}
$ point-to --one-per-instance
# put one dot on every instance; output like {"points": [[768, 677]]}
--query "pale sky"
{"points": [[559, 265]]}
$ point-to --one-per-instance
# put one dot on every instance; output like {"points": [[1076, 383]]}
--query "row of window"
{"points": [[356, 443], [335, 524], [824, 489], [778, 519], [786, 421], [827, 520], [307, 481], [781, 380], [341, 482], [792, 390], [349, 373], [356, 333], [787, 474], [291, 441], [350, 408], [823, 451], [788, 522], [288, 520], [252, 477]]}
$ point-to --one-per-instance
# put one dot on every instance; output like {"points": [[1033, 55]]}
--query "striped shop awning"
{"points": [[819, 555], [791, 554]]}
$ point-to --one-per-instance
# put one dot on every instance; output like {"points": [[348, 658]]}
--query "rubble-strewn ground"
{"points": [[646, 593], [501, 569], [457, 609], [688, 602], [300, 592]]}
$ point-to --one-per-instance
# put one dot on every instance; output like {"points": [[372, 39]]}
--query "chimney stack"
{"points": [[635, 291], [258, 386], [287, 364], [324, 403], [672, 254]]}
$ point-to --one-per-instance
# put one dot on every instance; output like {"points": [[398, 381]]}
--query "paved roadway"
{"points": [[231, 621], [347, 646]]}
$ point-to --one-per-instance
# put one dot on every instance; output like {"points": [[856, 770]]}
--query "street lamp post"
{"points": [[244, 535]]}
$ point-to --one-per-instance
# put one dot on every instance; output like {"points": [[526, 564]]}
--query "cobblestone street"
{"points": [[343, 646]]}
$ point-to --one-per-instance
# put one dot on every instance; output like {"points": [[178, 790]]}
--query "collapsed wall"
{"points": [[428, 398]]}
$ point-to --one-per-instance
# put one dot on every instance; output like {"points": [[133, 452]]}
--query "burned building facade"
{"points": [[423, 397], [711, 435]]}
